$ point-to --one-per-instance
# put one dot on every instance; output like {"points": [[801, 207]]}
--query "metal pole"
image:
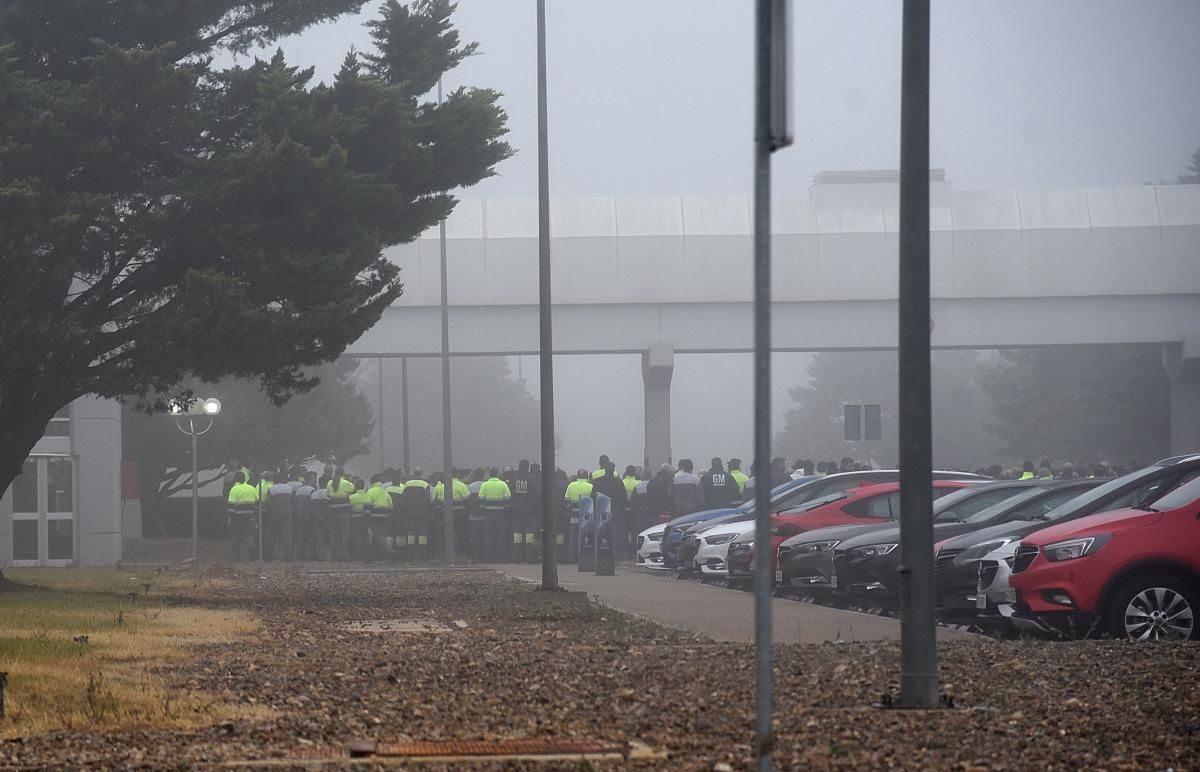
{"points": [[404, 412], [195, 497], [382, 459], [447, 463], [764, 675], [546, 341], [918, 644]]}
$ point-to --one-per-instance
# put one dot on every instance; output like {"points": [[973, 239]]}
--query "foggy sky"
{"points": [[654, 97]]}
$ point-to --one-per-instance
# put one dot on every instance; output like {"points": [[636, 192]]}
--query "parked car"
{"points": [[1131, 573], [958, 558], [790, 494], [649, 545], [955, 585], [673, 536], [989, 599], [692, 537], [710, 556], [807, 559], [864, 504]]}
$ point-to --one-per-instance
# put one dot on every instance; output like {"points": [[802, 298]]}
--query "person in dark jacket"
{"points": [[659, 501], [720, 488], [610, 485], [526, 508], [779, 472]]}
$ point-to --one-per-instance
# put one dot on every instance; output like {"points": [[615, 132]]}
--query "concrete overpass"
{"points": [[672, 274]]}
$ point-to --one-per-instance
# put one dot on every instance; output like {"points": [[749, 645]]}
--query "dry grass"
{"points": [[79, 651]]}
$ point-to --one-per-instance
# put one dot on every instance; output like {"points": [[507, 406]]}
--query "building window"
{"points": [[25, 490], [25, 539], [60, 424], [60, 489], [43, 499], [60, 539]]}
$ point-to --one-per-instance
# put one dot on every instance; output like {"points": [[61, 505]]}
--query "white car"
{"points": [[649, 546], [714, 547], [992, 593]]}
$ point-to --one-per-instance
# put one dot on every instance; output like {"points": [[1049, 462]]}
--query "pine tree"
{"points": [[164, 219]]}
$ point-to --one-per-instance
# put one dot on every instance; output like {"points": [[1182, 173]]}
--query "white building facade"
{"points": [[65, 508]]}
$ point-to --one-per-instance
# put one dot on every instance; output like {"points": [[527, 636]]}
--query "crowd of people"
{"points": [[294, 513]]}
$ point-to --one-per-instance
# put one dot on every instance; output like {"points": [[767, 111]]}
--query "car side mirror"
{"points": [[947, 516]]}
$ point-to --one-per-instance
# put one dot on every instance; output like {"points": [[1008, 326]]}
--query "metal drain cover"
{"points": [[400, 626], [453, 751], [530, 747]]}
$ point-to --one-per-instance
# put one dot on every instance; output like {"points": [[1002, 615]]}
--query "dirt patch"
{"points": [[525, 669]]}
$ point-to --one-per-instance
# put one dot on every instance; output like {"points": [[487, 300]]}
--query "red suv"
{"points": [[1130, 573]]}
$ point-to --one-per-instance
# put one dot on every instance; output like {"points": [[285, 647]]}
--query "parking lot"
{"points": [[716, 612]]}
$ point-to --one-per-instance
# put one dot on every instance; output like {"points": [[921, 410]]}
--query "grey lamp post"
{"points": [[188, 413]]}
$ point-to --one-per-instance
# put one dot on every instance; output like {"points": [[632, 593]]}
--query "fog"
{"points": [[649, 98]]}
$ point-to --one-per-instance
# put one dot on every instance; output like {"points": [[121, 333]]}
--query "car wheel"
{"points": [[1154, 608]]}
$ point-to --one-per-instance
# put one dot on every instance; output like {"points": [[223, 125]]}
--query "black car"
{"points": [[806, 559], [869, 562], [957, 559]]}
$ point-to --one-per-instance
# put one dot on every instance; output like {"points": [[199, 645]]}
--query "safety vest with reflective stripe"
{"points": [[578, 489]]}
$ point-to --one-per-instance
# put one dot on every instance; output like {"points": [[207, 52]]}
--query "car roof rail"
{"points": [[1183, 459]]}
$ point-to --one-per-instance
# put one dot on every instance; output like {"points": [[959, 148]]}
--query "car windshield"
{"points": [[999, 508], [1179, 496], [819, 501], [961, 504], [778, 492], [1151, 476]]}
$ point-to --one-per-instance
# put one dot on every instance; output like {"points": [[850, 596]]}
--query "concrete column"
{"points": [[1183, 370], [96, 440], [658, 363]]}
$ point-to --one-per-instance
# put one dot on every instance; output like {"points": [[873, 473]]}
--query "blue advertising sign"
{"points": [[605, 560], [587, 535]]}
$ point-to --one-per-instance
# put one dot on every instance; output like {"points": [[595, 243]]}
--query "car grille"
{"points": [[1025, 555], [641, 541], [987, 573], [944, 559]]}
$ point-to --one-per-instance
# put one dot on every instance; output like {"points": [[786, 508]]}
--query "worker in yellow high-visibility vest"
{"points": [[379, 520], [243, 499], [495, 497], [338, 490]]}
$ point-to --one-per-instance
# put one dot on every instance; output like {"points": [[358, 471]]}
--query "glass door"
{"points": [[43, 526]]}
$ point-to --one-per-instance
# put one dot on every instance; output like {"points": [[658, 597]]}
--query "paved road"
{"points": [[721, 614]]}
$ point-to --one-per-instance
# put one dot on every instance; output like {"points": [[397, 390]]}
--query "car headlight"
{"points": [[655, 536], [722, 538], [739, 546], [873, 550], [811, 547], [1074, 548], [978, 551]]}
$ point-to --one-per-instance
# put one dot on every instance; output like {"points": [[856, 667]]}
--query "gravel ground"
{"points": [[529, 664]]}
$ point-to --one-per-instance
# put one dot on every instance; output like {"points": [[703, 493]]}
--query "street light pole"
{"points": [[209, 408], [195, 494]]}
